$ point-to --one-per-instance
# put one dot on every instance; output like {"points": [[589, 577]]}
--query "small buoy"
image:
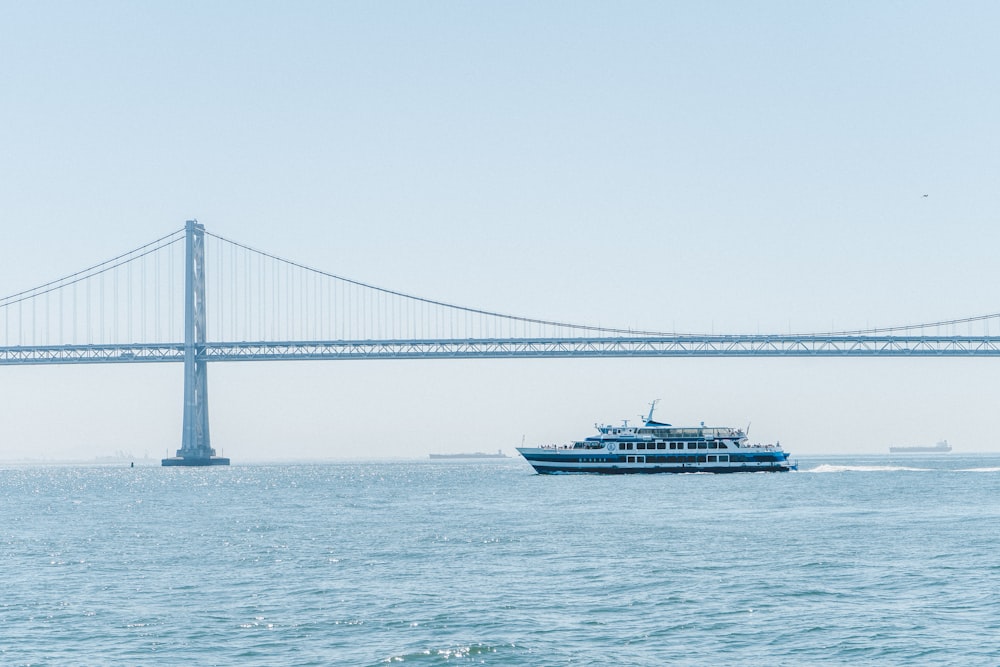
{"points": [[131, 465]]}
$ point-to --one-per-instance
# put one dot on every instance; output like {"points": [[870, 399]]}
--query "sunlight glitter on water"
{"points": [[348, 564]]}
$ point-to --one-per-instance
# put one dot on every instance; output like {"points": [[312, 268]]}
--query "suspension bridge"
{"points": [[160, 303]]}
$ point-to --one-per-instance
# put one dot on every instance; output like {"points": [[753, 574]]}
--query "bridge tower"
{"points": [[196, 448]]}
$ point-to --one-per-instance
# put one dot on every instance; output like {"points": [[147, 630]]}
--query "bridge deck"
{"points": [[672, 346]]}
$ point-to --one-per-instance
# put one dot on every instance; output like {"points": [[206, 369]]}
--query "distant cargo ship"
{"points": [[472, 455], [942, 446]]}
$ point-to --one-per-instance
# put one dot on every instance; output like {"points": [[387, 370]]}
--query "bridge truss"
{"points": [[751, 345]]}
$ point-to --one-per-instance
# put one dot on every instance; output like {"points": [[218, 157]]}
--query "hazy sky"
{"points": [[725, 166]]}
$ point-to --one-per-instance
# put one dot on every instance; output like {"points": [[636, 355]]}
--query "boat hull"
{"points": [[556, 462], [614, 470]]}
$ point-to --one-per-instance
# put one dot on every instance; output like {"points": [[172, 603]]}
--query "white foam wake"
{"points": [[826, 467]]}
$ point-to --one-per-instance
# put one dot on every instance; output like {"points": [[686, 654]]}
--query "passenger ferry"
{"points": [[659, 447]]}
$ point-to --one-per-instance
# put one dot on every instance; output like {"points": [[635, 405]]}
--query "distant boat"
{"points": [[940, 447], [472, 455]]}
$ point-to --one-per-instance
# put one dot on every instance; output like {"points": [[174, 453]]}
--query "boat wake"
{"points": [[826, 467], [978, 470]]}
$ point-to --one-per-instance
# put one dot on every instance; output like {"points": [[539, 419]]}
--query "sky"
{"points": [[699, 167]]}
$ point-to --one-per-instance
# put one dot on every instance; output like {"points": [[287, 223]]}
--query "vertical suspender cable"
{"points": [[170, 292], [100, 318], [260, 296], [245, 301], [157, 320], [274, 299], [129, 309], [114, 308], [220, 298], [87, 309], [233, 273]]}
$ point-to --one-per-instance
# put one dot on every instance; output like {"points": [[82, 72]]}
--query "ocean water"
{"points": [[865, 560]]}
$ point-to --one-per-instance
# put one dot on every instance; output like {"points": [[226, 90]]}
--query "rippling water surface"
{"points": [[851, 560]]}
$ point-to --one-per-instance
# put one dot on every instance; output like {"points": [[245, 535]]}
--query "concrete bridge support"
{"points": [[196, 447]]}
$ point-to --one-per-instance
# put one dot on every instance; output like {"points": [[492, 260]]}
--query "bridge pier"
{"points": [[196, 448]]}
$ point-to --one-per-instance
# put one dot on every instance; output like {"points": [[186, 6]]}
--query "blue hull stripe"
{"points": [[613, 459], [630, 469]]}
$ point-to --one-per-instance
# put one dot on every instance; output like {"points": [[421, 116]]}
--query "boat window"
{"points": [[701, 459], [661, 445], [713, 445], [692, 445], [712, 459], [723, 458], [640, 445], [722, 445], [702, 445]]}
